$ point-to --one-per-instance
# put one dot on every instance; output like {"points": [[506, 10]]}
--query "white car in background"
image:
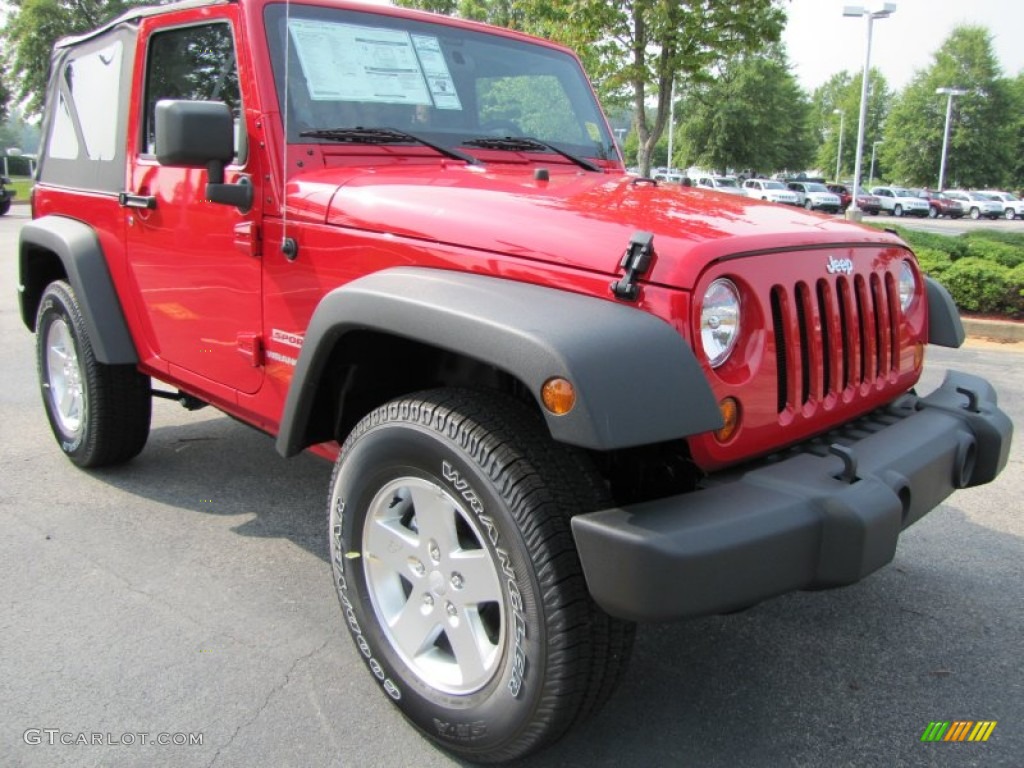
{"points": [[977, 204], [720, 184], [1013, 206], [899, 201], [774, 191], [816, 197]]}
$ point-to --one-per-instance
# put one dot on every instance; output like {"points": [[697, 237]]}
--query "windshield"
{"points": [[726, 183], [816, 188], [348, 69], [773, 185]]}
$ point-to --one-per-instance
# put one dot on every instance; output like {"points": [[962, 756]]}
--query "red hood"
{"points": [[583, 220]]}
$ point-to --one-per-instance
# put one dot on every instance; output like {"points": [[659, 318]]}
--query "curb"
{"points": [[995, 330]]}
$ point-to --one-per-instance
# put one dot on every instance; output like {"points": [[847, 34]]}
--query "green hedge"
{"points": [[983, 269]]}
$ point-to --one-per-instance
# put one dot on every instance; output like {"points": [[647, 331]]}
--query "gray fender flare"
{"points": [[945, 328], [78, 249], [637, 380]]}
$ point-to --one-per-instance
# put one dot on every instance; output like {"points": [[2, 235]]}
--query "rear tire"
{"points": [[897, 211], [98, 413], [5, 206], [975, 214], [458, 576]]}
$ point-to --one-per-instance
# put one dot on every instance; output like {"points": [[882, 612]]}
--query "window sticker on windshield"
{"points": [[353, 63], [435, 70]]}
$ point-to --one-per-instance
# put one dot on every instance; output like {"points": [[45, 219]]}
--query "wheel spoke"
{"points": [[435, 518], [480, 581], [388, 542], [470, 645], [416, 626]]}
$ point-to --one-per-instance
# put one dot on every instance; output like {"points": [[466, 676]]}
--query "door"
{"points": [[193, 261]]}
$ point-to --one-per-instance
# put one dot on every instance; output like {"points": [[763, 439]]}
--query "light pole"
{"points": [[874, 146], [839, 152], [671, 123], [950, 93], [883, 11]]}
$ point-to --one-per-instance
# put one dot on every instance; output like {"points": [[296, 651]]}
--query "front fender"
{"points": [[637, 381]]}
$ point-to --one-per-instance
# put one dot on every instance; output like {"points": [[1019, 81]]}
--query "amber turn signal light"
{"points": [[730, 410], [558, 395]]}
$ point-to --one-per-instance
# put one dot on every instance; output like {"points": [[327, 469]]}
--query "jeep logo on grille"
{"points": [[835, 266]]}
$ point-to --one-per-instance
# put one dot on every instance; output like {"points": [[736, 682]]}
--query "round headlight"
{"points": [[907, 285], [719, 321]]}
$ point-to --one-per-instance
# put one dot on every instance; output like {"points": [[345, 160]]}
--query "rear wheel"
{"points": [[458, 576], [5, 206], [808, 204], [975, 214], [99, 413], [898, 210]]}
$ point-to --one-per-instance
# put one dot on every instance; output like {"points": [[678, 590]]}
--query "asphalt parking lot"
{"points": [[187, 594]]}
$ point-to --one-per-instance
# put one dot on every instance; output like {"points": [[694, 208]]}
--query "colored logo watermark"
{"points": [[958, 730]]}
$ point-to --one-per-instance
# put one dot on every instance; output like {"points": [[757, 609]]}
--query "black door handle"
{"points": [[127, 200]]}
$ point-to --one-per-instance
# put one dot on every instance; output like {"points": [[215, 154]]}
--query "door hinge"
{"points": [[251, 346], [247, 239]]}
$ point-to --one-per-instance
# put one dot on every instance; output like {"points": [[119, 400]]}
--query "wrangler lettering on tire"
{"points": [[457, 575]]}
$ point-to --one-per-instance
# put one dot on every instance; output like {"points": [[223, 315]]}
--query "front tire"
{"points": [[458, 576], [975, 214], [897, 211], [99, 413], [1009, 214]]}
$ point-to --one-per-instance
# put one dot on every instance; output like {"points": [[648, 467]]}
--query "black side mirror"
{"points": [[201, 134]]}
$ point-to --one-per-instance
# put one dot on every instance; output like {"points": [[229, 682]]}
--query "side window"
{"points": [[87, 98], [197, 64]]}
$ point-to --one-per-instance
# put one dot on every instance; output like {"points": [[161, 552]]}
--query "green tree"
{"points": [[842, 92], [983, 143], [754, 115], [5, 97], [637, 48], [1017, 108], [32, 29]]}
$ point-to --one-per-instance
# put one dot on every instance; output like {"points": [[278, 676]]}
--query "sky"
{"points": [[820, 41]]}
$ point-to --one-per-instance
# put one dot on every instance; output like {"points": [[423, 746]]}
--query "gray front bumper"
{"points": [[806, 522]]}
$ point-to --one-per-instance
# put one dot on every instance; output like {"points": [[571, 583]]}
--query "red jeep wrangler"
{"points": [[560, 399]]}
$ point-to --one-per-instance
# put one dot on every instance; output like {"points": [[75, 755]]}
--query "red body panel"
{"points": [[215, 307]]}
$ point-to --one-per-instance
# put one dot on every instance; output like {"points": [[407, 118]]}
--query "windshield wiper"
{"points": [[360, 135], [528, 144]]}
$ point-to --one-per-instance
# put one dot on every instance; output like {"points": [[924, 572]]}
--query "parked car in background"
{"points": [[1013, 206], [977, 204], [899, 201], [720, 184], [815, 197], [773, 191], [6, 195], [941, 204], [868, 203]]}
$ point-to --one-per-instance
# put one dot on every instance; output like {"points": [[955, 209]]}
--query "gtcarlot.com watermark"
{"points": [[56, 736]]}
